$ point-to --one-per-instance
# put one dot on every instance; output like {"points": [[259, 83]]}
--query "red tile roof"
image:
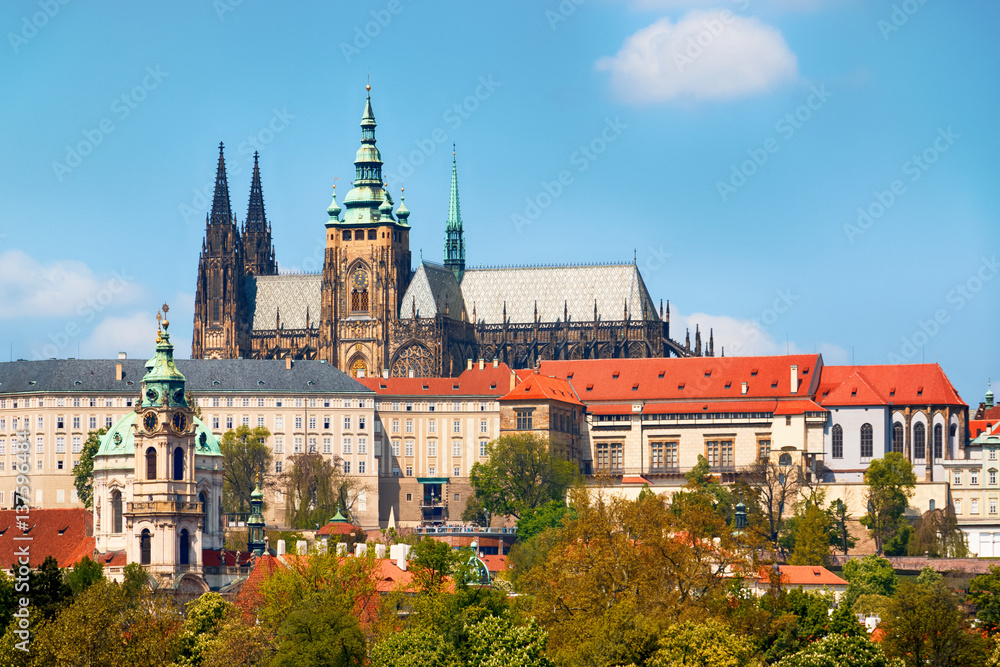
{"points": [[541, 388], [487, 382], [798, 407], [634, 479], [65, 534], [250, 598], [802, 575], [342, 528], [706, 407], [979, 426], [855, 390], [698, 378], [495, 563], [899, 384]]}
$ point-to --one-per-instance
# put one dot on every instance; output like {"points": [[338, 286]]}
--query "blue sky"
{"points": [[731, 146]]}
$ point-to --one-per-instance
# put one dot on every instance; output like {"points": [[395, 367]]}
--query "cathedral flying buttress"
{"points": [[370, 313]]}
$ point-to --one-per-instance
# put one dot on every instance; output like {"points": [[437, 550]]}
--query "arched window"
{"points": [[867, 445], [938, 441], [838, 442], [151, 463], [185, 548], [785, 460], [919, 449], [145, 547], [116, 511], [179, 464], [897, 437], [203, 499], [952, 431]]}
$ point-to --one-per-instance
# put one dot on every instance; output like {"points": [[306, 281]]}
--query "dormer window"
{"points": [[753, 373]]}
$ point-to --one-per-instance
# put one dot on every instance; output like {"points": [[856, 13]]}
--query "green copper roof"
{"points": [[338, 517], [120, 438], [454, 211]]}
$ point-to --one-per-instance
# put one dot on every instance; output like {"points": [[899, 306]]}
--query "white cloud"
{"points": [[135, 333], [706, 55], [744, 338], [62, 288]]}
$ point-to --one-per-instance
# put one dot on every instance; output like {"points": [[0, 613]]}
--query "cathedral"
{"points": [[369, 313]]}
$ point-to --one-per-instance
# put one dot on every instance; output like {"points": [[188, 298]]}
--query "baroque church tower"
{"points": [[220, 319], [366, 266]]}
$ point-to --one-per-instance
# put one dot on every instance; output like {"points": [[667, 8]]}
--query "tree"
{"points": [[316, 489], [926, 627], [776, 488], [707, 644], [521, 474], [205, 616], [890, 482], [246, 457], [432, 562], [836, 650], [984, 593], [936, 534], [83, 472], [83, 575], [499, 642], [49, 591], [414, 647], [840, 513], [475, 513], [871, 575], [536, 520], [812, 535], [322, 630]]}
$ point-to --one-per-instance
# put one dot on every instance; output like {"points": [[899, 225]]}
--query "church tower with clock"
{"points": [[158, 480], [366, 266]]}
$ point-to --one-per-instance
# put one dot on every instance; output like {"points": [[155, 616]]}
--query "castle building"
{"points": [[370, 314]]}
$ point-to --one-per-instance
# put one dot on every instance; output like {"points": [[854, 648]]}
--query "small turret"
{"points": [[402, 213], [334, 209], [989, 395], [255, 524]]}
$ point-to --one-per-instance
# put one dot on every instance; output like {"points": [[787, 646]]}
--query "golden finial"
{"points": [[166, 309], [368, 85], [159, 330]]}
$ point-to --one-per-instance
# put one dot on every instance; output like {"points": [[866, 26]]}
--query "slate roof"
{"points": [[489, 381], [433, 289], [613, 286], [97, 376], [295, 298]]}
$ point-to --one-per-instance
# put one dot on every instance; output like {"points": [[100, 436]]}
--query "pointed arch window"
{"points": [[116, 511], [359, 291], [897, 437], [151, 463], [179, 464], [145, 547], [867, 441], [938, 441], [919, 441], [185, 547], [952, 431], [838, 442]]}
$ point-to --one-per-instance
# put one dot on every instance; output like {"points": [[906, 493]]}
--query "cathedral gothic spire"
{"points": [[221, 212], [258, 252], [454, 240]]}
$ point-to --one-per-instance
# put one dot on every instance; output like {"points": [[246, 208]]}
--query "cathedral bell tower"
{"points": [[366, 267]]}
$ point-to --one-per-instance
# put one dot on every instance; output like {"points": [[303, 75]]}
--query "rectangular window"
{"points": [[312, 402], [432, 470], [361, 423], [655, 455], [958, 505], [326, 445], [957, 476], [432, 448], [409, 448], [482, 448], [361, 467], [60, 445], [3, 446], [610, 455], [61, 423], [395, 447], [229, 421], [456, 448], [974, 478], [298, 422], [41, 423], [482, 426], [362, 444], [215, 401], [347, 423], [432, 426], [409, 473], [763, 449], [378, 426], [993, 478], [107, 421], [93, 423], [719, 453], [298, 402], [260, 402], [974, 506], [229, 401], [347, 445], [993, 505], [59, 466], [246, 420], [76, 402], [279, 423], [523, 420], [215, 423], [278, 466], [456, 426], [39, 445], [326, 422], [312, 444], [993, 454], [76, 421], [457, 471], [347, 467], [409, 426], [312, 423], [297, 445], [279, 444], [77, 444], [260, 421], [395, 426]]}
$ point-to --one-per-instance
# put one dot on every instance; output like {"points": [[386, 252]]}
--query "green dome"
{"points": [[120, 438]]}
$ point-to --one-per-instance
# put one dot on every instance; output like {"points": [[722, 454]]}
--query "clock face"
{"points": [[360, 280], [180, 421], [149, 421]]}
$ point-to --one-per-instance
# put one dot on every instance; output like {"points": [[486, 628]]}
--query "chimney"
{"points": [[410, 373], [281, 547], [341, 548], [385, 373], [288, 363], [119, 373], [468, 365], [399, 553], [360, 549], [496, 363], [380, 551], [745, 388], [795, 378], [122, 356], [482, 364]]}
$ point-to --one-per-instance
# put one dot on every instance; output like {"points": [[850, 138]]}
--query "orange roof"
{"points": [[669, 379], [250, 598], [487, 382], [65, 534], [798, 407], [340, 528], [541, 388], [898, 384], [767, 406], [803, 575], [979, 426], [494, 562], [634, 479]]}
